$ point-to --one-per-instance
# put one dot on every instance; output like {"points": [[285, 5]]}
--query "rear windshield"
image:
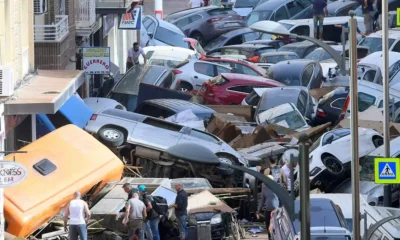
{"points": [[219, 80], [298, 50], [246, 3], [171, 38], [278, 58], [216, 43], [257, 16], [375, 44]]}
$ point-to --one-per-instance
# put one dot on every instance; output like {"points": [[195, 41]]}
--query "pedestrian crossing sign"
{"points": [[387, 170]]}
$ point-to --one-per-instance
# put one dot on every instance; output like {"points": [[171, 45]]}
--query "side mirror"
{"points": [[150, 35]]}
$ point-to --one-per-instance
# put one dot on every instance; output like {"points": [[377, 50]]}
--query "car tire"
{"points": [[377, 141], [186, 87], [333, 165], [111, 136], [198, 37]]}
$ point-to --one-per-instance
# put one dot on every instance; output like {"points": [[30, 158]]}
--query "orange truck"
{"points": [[60, 163]]}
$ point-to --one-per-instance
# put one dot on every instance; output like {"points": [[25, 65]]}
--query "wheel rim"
{"points": [[225, 160], [111, 134], [333, 165]]}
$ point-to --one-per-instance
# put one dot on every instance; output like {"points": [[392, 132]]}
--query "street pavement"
{"points": [[169, 6]]}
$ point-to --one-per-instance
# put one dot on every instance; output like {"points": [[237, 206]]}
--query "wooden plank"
{"points": [[221, 190]]}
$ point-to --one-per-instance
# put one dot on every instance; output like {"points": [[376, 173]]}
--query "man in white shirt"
{"points": [[78, 212], [195, 3], [134, 216], [133, 56]]}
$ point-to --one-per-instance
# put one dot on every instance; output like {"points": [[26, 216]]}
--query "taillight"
{"points": [[93, 117], [176, 71], [211, 20], [321, 113], [254, 59], [344, 109]]}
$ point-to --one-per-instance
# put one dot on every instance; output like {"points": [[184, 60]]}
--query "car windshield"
{"points": [[216, 43], [257, 16], [298, 50], [319, 54], [246, 3], [171, 38], [283, 115], [278, 58], [374, 43], [330, 237]]}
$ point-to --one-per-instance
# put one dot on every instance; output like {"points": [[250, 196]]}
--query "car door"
{"points": [[369, 73], [202, 71], [149, 29], [202, 138], [294, 7]]}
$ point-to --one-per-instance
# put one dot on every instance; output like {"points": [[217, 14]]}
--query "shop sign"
{"points": [[131, 20], [96, 60], [108, 24], [11, 173]]}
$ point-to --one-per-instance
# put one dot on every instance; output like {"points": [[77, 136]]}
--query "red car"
{"points": [[238, 66], [232, 88]]}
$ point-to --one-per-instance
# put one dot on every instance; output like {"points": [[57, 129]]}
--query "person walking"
{"points": [[134, 216], [318, 7], [133, 56], [78, 212], [368, 14], [195, 3], [276, 172], [270, 202], [152, 215], [181, 203]]}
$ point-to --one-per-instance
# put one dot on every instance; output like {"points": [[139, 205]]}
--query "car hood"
{"points": [[326, 65]]}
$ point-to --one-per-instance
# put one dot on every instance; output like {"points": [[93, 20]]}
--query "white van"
{"points": [[389, 231], [305, 27], [374, 41]]}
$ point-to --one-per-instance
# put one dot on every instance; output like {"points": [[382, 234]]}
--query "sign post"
{"points": [[11, 173]]}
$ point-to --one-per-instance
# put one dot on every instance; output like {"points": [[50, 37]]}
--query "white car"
{"points": [[157, 32], [254, 97], [98, 104], [332, 152]]}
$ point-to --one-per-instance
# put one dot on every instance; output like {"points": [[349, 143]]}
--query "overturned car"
{"points": [[144, 141]]}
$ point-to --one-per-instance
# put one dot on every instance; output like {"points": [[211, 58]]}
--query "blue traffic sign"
{"points": [[387, 170]]}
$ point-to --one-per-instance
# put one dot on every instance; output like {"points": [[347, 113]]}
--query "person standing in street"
{"points": [[78, 212], [181, 203], [276, 172], [346, 35], [270, 202], [368, 14], [195, 3], [152, 215], [134, 216], [133, 56], [318, 7], [378, 16]]}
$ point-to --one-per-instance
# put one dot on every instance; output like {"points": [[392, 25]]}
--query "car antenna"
{"points": [[324, 225]]}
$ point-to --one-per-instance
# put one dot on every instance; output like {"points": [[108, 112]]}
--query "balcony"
{"points": [[53, 32], [85, 13], [114, 6]]}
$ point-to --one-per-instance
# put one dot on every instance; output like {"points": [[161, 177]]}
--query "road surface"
{"points": [[170, 6]]}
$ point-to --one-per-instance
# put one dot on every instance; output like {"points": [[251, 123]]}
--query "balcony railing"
{"points": [[54, 32], [85, 13]]}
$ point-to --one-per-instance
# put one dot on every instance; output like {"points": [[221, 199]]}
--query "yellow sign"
{"points": [[398, 17], [387, 170]]}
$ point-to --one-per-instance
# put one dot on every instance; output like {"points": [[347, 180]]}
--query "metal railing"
{"points": [[85, 13], [52, 32], [114, 3]]}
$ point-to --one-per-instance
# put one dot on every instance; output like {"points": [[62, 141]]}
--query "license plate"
{"points": [[232, 25]]}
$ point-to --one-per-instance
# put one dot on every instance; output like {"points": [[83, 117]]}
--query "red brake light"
{"points": [[321, 113], [93, 117], [254, 59], [344, 109], [211, 20], [176, 71]]}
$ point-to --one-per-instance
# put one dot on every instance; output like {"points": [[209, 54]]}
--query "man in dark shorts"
{"points": [[318, 7]]}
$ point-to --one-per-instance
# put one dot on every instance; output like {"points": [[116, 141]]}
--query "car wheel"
{"points": [[111, 136], [378, 141], [332, 164], [237, 176], [198, 37], [186, 87]]}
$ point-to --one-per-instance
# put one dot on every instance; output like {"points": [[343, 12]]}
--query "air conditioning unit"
{"points": [[6, 81], [39, 6]]}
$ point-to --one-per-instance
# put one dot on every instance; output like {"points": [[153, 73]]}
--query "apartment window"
{"points": [[62, 7]]}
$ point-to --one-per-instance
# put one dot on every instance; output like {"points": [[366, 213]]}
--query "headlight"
{"points": [[315, 171], [244, 161], [216, 219]]}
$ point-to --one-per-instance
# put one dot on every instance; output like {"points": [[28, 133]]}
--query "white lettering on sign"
{"points": [[11, 173]]}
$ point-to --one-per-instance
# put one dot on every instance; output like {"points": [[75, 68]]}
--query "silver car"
{"points": [[151, 137]]}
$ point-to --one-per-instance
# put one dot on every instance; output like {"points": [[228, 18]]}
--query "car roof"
{"points": [[179, 105], [248, 45], [170, 26], [327, 21], [294, 65], [394, 33], [322, 213], [277, 53], [270, 5], [186, 12], [376, 58], [124, 114], [237, 32], [299, 44], [334, 6], [244, 77]]}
